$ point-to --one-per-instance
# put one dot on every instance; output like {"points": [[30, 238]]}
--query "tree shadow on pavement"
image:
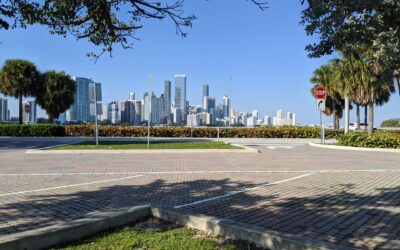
{"points": [[365, 221]]}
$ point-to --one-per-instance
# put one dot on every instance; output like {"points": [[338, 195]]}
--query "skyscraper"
{"points": [[209, 103], [138, 112], [225, 106], [180, 98], [29, 111], [167, 100], [3, 109], [205, 91], [80, 109], [128, 112], [131, 96], [113, 112]]}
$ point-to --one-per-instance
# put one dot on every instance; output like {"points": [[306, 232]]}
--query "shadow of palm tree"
{"points": [[366, 221]]}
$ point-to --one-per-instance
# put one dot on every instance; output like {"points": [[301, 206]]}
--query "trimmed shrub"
{"points": [[261, 132], [379, 139], [31, 130]]}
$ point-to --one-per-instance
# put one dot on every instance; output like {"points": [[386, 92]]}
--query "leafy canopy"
{"points": [[103, 23]]}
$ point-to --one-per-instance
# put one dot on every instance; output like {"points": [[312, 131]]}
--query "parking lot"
{"points": [[348, 198]]}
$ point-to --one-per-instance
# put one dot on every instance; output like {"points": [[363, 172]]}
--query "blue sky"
{"points": [[265, 48]]}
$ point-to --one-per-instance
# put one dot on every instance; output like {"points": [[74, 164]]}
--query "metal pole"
{"points": [[320, 124], [230, 98], [95, 116], [346, 114], [218, 133], [149, 97]]}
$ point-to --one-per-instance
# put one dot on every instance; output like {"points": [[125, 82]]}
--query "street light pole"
{"points": [[149, 97], [230, 98]]}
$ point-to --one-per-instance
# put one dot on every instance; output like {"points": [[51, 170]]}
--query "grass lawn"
{"points": [[169, 237], [143, 145]]}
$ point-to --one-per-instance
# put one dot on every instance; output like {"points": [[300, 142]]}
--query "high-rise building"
{"points": [[209, 103], [255, 113], [29, 112], [138, 111], [280, 114], [206, 91], [128, 112], [113, 112], [193, 120], [167, 99], [4, 109], [104, 115], [131, 96], [267, 120], [225, 106], [80, 109], [180, 98]]}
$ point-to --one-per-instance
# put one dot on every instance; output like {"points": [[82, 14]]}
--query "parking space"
{"points": [[351, 199]]}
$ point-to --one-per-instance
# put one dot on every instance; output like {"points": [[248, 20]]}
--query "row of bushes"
{"points": [[31, 130], [264, 132], [380, 139], [128, 131]]}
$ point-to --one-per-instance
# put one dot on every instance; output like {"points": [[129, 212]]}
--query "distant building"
{"points": [[180, 98], [138, 112], [209, 103], [131, 96], [280, 119], [29, 112], [225, 106], [128, 112], [267, 120], [104, 115], [167, 100], [4, 113], [80, 109], [113, 112], [255, 113], [193, 120], [251, 121], [206, 91]]}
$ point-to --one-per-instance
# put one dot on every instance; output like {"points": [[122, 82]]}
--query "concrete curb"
{"points": [[242, 149], [330, 146], [63, 233], [267, 239], [79, 229]]}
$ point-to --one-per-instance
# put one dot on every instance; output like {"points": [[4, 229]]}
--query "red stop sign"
{"points": [[320, 92]]}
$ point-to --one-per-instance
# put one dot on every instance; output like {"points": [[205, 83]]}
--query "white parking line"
{"points": [[209, 172], [241, 191], [67, 186]]}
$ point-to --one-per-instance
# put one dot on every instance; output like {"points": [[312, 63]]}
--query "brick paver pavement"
{"points": [[359, 208]]}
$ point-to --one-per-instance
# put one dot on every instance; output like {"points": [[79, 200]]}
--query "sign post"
{"points": [[95, 95], [320, 95]]}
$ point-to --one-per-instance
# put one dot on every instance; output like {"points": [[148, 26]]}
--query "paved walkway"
{"points": [[344, 197]]}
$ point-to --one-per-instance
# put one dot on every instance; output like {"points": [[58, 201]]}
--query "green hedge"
{"points": [[31, 130], [262, 132], [379, 139]]}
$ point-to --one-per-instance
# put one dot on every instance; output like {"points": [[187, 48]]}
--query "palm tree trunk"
{"points": [[51, 118], [358, 118], [365, 116], [370, 118], [346, 114], [20, 109]]}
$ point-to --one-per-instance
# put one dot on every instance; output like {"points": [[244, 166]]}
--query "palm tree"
{"points": [[324, 76], [19, 78], [57, 93], [362, 80]]}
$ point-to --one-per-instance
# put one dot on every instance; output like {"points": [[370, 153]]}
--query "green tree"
{"points": [[364, 81], [19, 78], [348, 24], [57, 92], [391, 123], [103, 23], [325, 77]]}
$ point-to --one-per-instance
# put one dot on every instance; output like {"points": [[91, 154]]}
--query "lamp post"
{"points": [[230, 97], [149, 96]]}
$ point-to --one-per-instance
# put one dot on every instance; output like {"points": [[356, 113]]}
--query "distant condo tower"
{"points": [[180, 98], [205, 91]]}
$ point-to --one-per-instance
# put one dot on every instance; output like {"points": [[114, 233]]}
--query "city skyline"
{"points": [[272, 70]]}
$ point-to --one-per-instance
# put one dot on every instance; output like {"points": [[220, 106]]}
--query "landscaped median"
{"points": [[129, 146], [181, 132]]}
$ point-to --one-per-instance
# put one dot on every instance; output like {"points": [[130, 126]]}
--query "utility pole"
{"points": [[149, 97], [230, 98]]}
